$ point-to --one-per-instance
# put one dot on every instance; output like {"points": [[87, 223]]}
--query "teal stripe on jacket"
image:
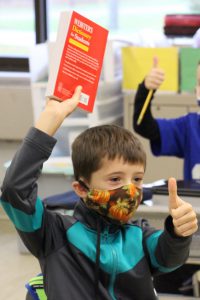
{"points": [[152, 242], [23, 221], [126, 248]]}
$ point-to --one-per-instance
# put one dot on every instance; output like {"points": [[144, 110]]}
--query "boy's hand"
{"points": [[155, 78], [183, 215], [55, 112]]}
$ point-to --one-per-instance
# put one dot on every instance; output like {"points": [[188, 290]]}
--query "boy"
{"points": [[100, 252]]}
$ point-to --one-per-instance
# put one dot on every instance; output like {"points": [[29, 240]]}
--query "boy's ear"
{"points": [[79, 189]]}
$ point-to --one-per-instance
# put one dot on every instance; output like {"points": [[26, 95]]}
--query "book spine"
{"points": [[56, 57]]}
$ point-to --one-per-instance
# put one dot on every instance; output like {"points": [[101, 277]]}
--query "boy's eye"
{"points": [[115, 179], [138, 179]]}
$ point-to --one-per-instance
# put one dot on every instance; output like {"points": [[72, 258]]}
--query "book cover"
{"points": [[77, 59], [189, 60], [138, 61]]}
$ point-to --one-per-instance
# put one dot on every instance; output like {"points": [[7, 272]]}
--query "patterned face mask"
{"points": [[119, 204]]}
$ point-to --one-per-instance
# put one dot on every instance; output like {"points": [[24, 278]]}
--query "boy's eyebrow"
{"points": [[115, 173], [122, 173], [141, 173]]}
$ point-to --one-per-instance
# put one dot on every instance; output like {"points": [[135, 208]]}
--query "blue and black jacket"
{"points": [[85, 256]]}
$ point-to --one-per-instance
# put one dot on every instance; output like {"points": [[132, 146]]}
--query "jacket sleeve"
{"points": [[165, 251], [19, 191], [148, 128]]}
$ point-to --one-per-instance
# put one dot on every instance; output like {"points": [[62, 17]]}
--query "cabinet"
{"points": [[164, 106], [16, 107]]}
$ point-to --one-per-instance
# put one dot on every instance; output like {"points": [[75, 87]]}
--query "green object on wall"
{"points": [[189, 59]]}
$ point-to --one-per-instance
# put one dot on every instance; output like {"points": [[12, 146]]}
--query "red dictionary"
{"points": [[77, 59]]}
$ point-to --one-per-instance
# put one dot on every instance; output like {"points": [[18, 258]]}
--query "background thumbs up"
{"points": [[155, 62], [155, 77]]}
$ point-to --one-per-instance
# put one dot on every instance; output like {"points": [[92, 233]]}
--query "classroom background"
{"points": [[137, 33]]}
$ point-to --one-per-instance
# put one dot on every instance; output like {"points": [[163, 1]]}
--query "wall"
{"points": [[16, 105]]}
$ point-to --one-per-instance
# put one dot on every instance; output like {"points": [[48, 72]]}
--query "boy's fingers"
{"points": [[72, 103], [172, 190]]}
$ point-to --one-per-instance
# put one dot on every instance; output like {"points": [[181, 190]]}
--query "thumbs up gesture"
{"points": [[183, 215], [155, 77]]}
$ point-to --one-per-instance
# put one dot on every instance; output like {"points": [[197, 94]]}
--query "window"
{"points": [[16, 27], [96, 10], [24, 22], [123, 17], [138, 15]]}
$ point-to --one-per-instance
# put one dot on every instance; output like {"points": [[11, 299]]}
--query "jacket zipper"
{"points": [[114, 264]]}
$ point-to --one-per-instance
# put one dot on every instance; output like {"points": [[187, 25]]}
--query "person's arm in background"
{"points": [[148, 128]]}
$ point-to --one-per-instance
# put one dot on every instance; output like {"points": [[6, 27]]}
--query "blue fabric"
{"points": [[181, 137], [31, 292], [22, 221], [66, 200]]}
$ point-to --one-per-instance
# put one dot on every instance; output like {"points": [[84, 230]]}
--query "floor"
{"points": [[16, 268]]}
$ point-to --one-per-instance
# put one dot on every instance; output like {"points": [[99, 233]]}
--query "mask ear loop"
{"points": [[83, 184]]}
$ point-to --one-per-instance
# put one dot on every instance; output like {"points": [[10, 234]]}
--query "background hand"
{"points": [[55, 112], [183, 215], [155, 77]]}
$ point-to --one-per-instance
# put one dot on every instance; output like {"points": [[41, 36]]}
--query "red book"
{"points": [[77, 59]]}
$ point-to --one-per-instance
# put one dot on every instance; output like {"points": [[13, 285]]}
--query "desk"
{"points": [[175, 297]]}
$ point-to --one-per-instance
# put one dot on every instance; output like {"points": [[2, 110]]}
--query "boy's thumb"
{"points": [[76, 96], [77, 92], [172, 190], [71, 104]]}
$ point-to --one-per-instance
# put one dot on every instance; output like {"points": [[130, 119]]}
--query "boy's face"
{"points": [[122, 177], [116, 173]]}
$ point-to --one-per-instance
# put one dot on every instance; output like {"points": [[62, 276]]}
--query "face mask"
{"points": [[119, 204]]}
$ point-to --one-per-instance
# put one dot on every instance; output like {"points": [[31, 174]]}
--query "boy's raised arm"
{"points": [[19, 197], [55, 112]]}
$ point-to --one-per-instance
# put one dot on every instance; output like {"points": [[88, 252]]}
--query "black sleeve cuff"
{"points": [[169, 227]]}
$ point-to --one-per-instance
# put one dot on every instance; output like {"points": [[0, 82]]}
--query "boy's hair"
{"points": [[110, 141]]}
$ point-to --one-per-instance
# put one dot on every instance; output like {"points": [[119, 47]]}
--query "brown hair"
{"points": [[110, 141]]}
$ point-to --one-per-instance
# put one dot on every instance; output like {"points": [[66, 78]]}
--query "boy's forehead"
{"points": [[118, 164]]}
